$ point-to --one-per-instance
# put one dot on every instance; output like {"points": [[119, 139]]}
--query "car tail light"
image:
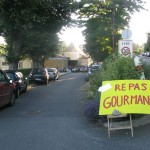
{"points": [[45, 75]]}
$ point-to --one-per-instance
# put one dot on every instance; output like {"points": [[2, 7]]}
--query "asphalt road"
{"points": [[50, 118]]}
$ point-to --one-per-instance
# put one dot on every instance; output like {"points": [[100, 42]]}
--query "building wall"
{"points": [[83, 62], [3, 64], [25, 64], [56, 63], [72, 55], [22, 64]]}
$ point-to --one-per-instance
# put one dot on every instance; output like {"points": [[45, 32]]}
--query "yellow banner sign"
{"points": [[126, 96]]}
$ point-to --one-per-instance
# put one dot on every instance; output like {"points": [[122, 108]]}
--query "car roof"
{"points": [[38, 68], [95, 65], [10, 71], [52, 69], [4, 73]]}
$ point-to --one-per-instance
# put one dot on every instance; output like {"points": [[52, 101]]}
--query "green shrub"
{"points": [[114, 68]]}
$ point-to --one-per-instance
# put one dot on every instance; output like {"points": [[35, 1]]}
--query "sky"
{"points": [[140, 25], [1, 40], [73, 35]]}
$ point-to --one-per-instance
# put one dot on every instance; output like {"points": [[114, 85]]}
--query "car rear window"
{"points": [[50, 70], [95, 67], [12, 76], [38, 70]]}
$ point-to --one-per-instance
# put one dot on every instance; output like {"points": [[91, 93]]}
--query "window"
{"points": [[20, 64], [4, 64]]}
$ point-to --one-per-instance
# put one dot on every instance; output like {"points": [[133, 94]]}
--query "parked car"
{"points": [[19, 80], [53, 73], [39, 75], [75, 69], [148, 54], [83, 68], [94, 68], [7, 90]]}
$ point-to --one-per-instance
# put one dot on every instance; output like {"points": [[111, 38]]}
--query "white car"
{"points": [[53, 73]]}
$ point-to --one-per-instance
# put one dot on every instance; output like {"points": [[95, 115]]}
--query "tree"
{"points": [[137, 49], [62, 47], [97, 41], [19, 18], [147, 45], [39, 46], [2, 47], [104, 21]]}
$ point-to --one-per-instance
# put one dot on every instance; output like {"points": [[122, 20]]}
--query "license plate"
{"points": [[38, 79]]}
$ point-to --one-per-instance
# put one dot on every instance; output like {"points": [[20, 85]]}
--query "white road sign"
{"points": [[126, 34], [125, 48]]}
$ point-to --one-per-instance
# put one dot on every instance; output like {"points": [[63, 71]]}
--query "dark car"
{"points": [[53, 73], [39, 75], [7, 90], [19, 80]]}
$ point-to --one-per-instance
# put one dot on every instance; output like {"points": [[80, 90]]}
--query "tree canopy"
{"points": [[19, 19], [104, 21]]}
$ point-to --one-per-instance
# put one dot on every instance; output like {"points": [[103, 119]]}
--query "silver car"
{"points": [[53, 73]]}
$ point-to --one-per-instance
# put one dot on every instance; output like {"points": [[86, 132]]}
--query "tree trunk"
{"points": [[13, 66], [37, 62], [16, 48]]}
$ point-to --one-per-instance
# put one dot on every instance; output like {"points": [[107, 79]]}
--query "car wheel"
{"points": [[12, 100], [17, 94]]}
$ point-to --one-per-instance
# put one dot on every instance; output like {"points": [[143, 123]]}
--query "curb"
{"points": [[63, 73]]}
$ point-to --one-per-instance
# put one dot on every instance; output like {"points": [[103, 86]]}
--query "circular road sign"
{"points": [[125, 51], [126, 34]]}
